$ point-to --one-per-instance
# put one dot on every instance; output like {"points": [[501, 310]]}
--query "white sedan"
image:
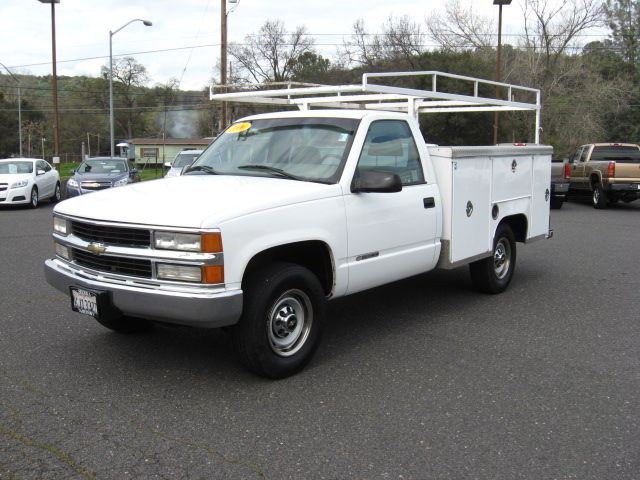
{"points": [[28, 181]]}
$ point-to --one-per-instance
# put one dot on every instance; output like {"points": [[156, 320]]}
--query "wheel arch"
{"points": [[518, 224], [594, 178], [314, 255]]}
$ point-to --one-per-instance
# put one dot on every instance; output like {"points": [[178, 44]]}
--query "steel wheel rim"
{"points": [[289, 323], [502, 258]]}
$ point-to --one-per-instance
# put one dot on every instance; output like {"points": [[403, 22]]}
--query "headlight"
{"points": [[61, 250], [189, 242], [179, 272], [209, 274], [72, 183], [61, 226], [18, 184], [121, 183]]}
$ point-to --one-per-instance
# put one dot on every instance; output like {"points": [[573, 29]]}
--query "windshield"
{"points": [[310, 149], [16, 167], [103, 166], [184, 159]]}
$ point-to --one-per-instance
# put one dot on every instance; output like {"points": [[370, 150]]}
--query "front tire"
{"points": [[599, 197], [493, 274], [33, 201], [281, 322]]}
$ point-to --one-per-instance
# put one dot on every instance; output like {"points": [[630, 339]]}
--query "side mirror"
{"points": [[376, 181], [134, 171], [40, 172], [167, 165], [72, 172]]}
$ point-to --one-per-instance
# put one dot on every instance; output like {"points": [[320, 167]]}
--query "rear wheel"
{"points": [[493, 274], [556, 202], [57, 195], [599, 197], [126, 324], [281, 322]]}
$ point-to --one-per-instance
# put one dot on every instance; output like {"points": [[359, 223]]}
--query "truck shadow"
{"points": [[393, 312]]}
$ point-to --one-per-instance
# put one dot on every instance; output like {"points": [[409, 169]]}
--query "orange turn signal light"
{"points": [[211, 243], [212, 274]]}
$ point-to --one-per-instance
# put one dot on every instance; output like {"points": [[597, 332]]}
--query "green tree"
{"points": [[623, 18]]}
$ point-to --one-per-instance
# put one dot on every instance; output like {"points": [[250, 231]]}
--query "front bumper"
{"points": [[16, 196], [205, 309]]}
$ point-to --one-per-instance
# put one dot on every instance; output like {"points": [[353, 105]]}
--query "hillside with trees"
{"points": [[590, 90]]}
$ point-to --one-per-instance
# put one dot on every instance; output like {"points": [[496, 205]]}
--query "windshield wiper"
{"points": [[272, 169], [203, 168]]}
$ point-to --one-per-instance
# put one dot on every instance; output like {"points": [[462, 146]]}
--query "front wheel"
{"points": [[33, 202], [599, 197], [281, 322], [493, 274]]}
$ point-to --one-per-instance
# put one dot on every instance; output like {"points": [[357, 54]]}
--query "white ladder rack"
{"points": [[384, 97]]}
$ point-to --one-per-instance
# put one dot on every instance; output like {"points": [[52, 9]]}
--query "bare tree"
{"points": [[401, 39], [269, 55], [552, 28], [128, 77], [461, 28]]}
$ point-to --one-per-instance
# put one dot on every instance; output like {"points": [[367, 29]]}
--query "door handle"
{"points": [[429, 202]]}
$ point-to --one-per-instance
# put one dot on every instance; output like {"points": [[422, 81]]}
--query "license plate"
{"points": [[84, 301]]}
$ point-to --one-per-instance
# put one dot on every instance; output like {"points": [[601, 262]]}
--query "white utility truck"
{"points": [[287, 210]]}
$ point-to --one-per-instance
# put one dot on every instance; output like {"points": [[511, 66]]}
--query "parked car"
{"points": [[182, 160], [99, 173], [27, 181]]}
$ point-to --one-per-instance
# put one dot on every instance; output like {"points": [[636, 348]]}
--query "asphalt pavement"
{"points": [[420, 379]]}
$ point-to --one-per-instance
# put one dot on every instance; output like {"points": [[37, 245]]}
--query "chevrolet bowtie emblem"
{"points": [[96, 248]]}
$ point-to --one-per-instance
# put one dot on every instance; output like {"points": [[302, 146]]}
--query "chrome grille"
{"points": [[95, 185], [133, 267], [111, 235]]}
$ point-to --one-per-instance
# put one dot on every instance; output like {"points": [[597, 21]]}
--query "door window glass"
{"points": [[390, 147]]}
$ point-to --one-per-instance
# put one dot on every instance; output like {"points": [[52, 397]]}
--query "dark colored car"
{"points": [[99, 173]]}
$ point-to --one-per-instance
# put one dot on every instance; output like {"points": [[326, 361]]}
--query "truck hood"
{"points": [[193, 201]]}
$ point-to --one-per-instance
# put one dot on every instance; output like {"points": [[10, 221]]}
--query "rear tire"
{"points": [[126, 324], [281, 322], [57, 194], [493, 274], [556, 203], [599, 197]]}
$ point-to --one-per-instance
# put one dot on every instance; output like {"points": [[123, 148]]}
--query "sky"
{"points": [[184, 41]]}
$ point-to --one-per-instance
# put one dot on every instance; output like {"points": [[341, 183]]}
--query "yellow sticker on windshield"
{"points": [[239, 127]]}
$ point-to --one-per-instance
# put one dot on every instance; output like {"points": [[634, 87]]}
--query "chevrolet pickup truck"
{"points": [[287, 210], [607, 172]]}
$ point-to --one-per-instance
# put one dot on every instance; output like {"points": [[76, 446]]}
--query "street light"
{"points": [[223, 57], [500, 3], [56, 143], [146, 23], [19, 108]]}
